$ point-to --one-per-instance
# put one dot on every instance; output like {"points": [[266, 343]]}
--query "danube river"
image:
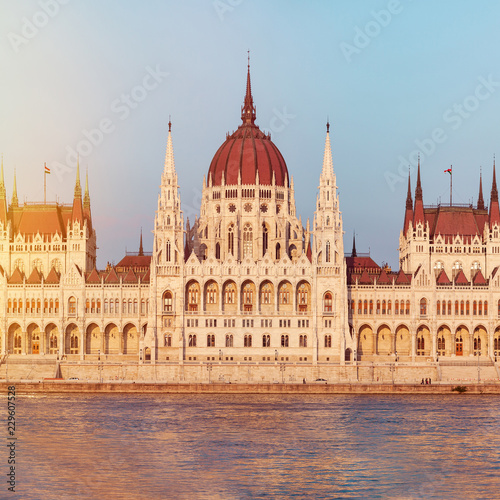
{"points": [[128, 446]]}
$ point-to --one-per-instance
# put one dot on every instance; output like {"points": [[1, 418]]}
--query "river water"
{"points": [[128, 446]]}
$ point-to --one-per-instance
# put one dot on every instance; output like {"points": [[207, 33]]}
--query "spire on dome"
{"points": [[169, 154], [480, 199], [354, 254], [327, 158], [15, 201], [141, 249], [248, 109]]}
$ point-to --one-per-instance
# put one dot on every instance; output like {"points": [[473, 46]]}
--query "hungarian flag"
{"points": [[47, 169], [449, 171]]}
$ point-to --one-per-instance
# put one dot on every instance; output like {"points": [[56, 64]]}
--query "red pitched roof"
{"points": [[130, 277], [362, 263], [383, 279], [112, 277], [460, 278], [35, 277], [365, 278], [94, 277], [135, 261], [16, 278], [40, 218], [52, 278], [479, 279], [403, 279], [443, 279]]}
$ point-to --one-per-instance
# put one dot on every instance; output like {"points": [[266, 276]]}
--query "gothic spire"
{"points": [[419, 204], [248, 109], [86, 196], [480, 199], [327, 157], [354, 254], [494, 190], [15, 201], [409, 201], [78, 187], [169, 154], [418, 189], [141, 249]]}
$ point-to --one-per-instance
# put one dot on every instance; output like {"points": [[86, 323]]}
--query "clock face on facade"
{"points": [[232, 208], [248, 207], [263, 208]]}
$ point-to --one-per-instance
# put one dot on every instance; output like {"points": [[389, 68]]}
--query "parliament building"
{"points": [[247, 283]]}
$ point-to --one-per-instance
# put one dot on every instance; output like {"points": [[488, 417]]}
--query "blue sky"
{"points": [[394, 78]]}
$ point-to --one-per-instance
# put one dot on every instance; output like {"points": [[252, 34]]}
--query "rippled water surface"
{"points": [[124, 446]]}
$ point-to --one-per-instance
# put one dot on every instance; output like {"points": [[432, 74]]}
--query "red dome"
{"points": [[248, 151], [245, 153]]}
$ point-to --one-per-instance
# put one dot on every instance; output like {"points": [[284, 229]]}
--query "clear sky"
{"points": [[394, 77]]}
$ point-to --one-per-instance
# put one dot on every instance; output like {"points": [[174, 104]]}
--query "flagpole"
{"points": [[451, 182], [45, 183]]}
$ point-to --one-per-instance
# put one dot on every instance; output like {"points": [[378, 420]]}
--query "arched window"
{"points": [[167, 302], [423, 307], [266, 341], [384, 310], [302, 297], [449, 308], [168, 340], [328, 341], [378, 306], [19, 263], [212, 293], [230, 293], [438, 307], [284, 294], [247, 241], [365, 310], [278, 251], [193, 297], [303, 341], [229, 341], [327, 252], [247, 341], [327, 301], [389, 307], [360, 306], [192, 341], [407, 307], [210, 340], [247, 294], [230, 239], [480, 308], [265, 294], [284, 341], [217, 250], [72, 306], [264, 239], [169, 251], [486, 308], [37, 263], [56, 264], [371, 306], [420, 345]]}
